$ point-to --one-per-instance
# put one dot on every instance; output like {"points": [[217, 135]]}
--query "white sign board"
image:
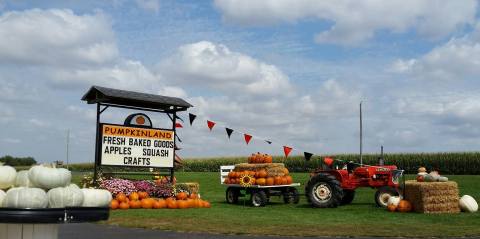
{"points": [[136, 147]]}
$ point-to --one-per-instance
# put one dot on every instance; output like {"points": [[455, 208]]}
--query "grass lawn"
{"points": [[361, 218]]}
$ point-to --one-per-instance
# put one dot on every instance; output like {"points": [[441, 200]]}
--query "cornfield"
{"points": [[466, 163], [446, 163]]}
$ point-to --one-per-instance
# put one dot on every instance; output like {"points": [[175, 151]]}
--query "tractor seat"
{"points": [[351, 166]]}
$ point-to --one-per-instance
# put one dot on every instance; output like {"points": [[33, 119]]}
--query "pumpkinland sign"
{"points": [[136, 147]]}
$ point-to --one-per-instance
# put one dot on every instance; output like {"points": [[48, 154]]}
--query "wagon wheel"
{"points": [[259, 199], [291, 195], [232, 195]]}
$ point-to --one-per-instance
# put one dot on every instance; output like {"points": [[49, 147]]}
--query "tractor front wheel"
{"points": [[383, 194], [324, 190]]}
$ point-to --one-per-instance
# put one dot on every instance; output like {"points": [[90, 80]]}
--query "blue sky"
{"points": [[290, 71]]}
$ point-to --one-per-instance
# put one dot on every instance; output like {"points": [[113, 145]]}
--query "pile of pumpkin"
{"points": [[396, 204], [46, 186], [259, 177], [138, 200], [260, 158]]}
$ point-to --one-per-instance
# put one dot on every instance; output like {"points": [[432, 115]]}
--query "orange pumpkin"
{"points": [[261, 181], [226, 181], [289, 179], [147, 203], [231, 174], [251, 173], [258, 158], [404, 206], [391, 208], [270, 181], [134, 204], [262, 173], [182, 204], [278, 180], [268, 158], [206, 204], [191, 203], [284, 180], [124, 205], [114, 204], [172, 204], [142, 195], [133, 196], [160, 204], [193, 196], [182, 196], [197, 203], [251, 158], [121, 197]]}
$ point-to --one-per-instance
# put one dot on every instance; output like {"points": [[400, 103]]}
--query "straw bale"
{"points": [[273, 169], [432, 197]]}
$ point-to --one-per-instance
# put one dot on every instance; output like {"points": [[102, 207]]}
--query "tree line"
{"points": [[17, 161]]}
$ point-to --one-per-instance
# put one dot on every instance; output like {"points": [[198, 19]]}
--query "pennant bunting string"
{"points": [[191, 117], [307, 155], [229, 132], [210, 124], [247, 138], [287, 151], [178, 117]]}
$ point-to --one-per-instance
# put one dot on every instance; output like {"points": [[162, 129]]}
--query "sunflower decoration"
{"points": [[247, 180]]}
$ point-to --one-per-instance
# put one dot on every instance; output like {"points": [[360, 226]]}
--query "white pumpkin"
{"points": [[49, 177], [2, 197], [7, 176], [393, 200], [69, 196], [442, 179], [25, 198], [96, 197], [22, 180], [468, 204]]}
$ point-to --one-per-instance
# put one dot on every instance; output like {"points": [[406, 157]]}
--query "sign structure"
{"points": [[136, 147]]}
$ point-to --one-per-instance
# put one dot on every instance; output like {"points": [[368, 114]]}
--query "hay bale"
{"points": [[432, 197], [273, 169]]}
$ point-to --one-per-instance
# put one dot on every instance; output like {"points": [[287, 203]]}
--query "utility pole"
{"points": [[361, 135], [68, 142]]}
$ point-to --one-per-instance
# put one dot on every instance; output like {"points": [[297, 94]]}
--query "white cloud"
{"points": [[149, 5], [56, 37], [125, 74], [354, 21], [458, 59], [214, 65]]}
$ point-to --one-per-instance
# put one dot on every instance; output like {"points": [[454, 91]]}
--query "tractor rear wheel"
{"points": [[232, 195], [324, 190], [348, 196], [383, 194]]}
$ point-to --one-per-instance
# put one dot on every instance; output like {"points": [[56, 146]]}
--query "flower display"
{"points": [[116, 186]]}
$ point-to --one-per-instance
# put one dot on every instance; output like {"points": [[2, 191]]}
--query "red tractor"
{"points": [[330, 187]]}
